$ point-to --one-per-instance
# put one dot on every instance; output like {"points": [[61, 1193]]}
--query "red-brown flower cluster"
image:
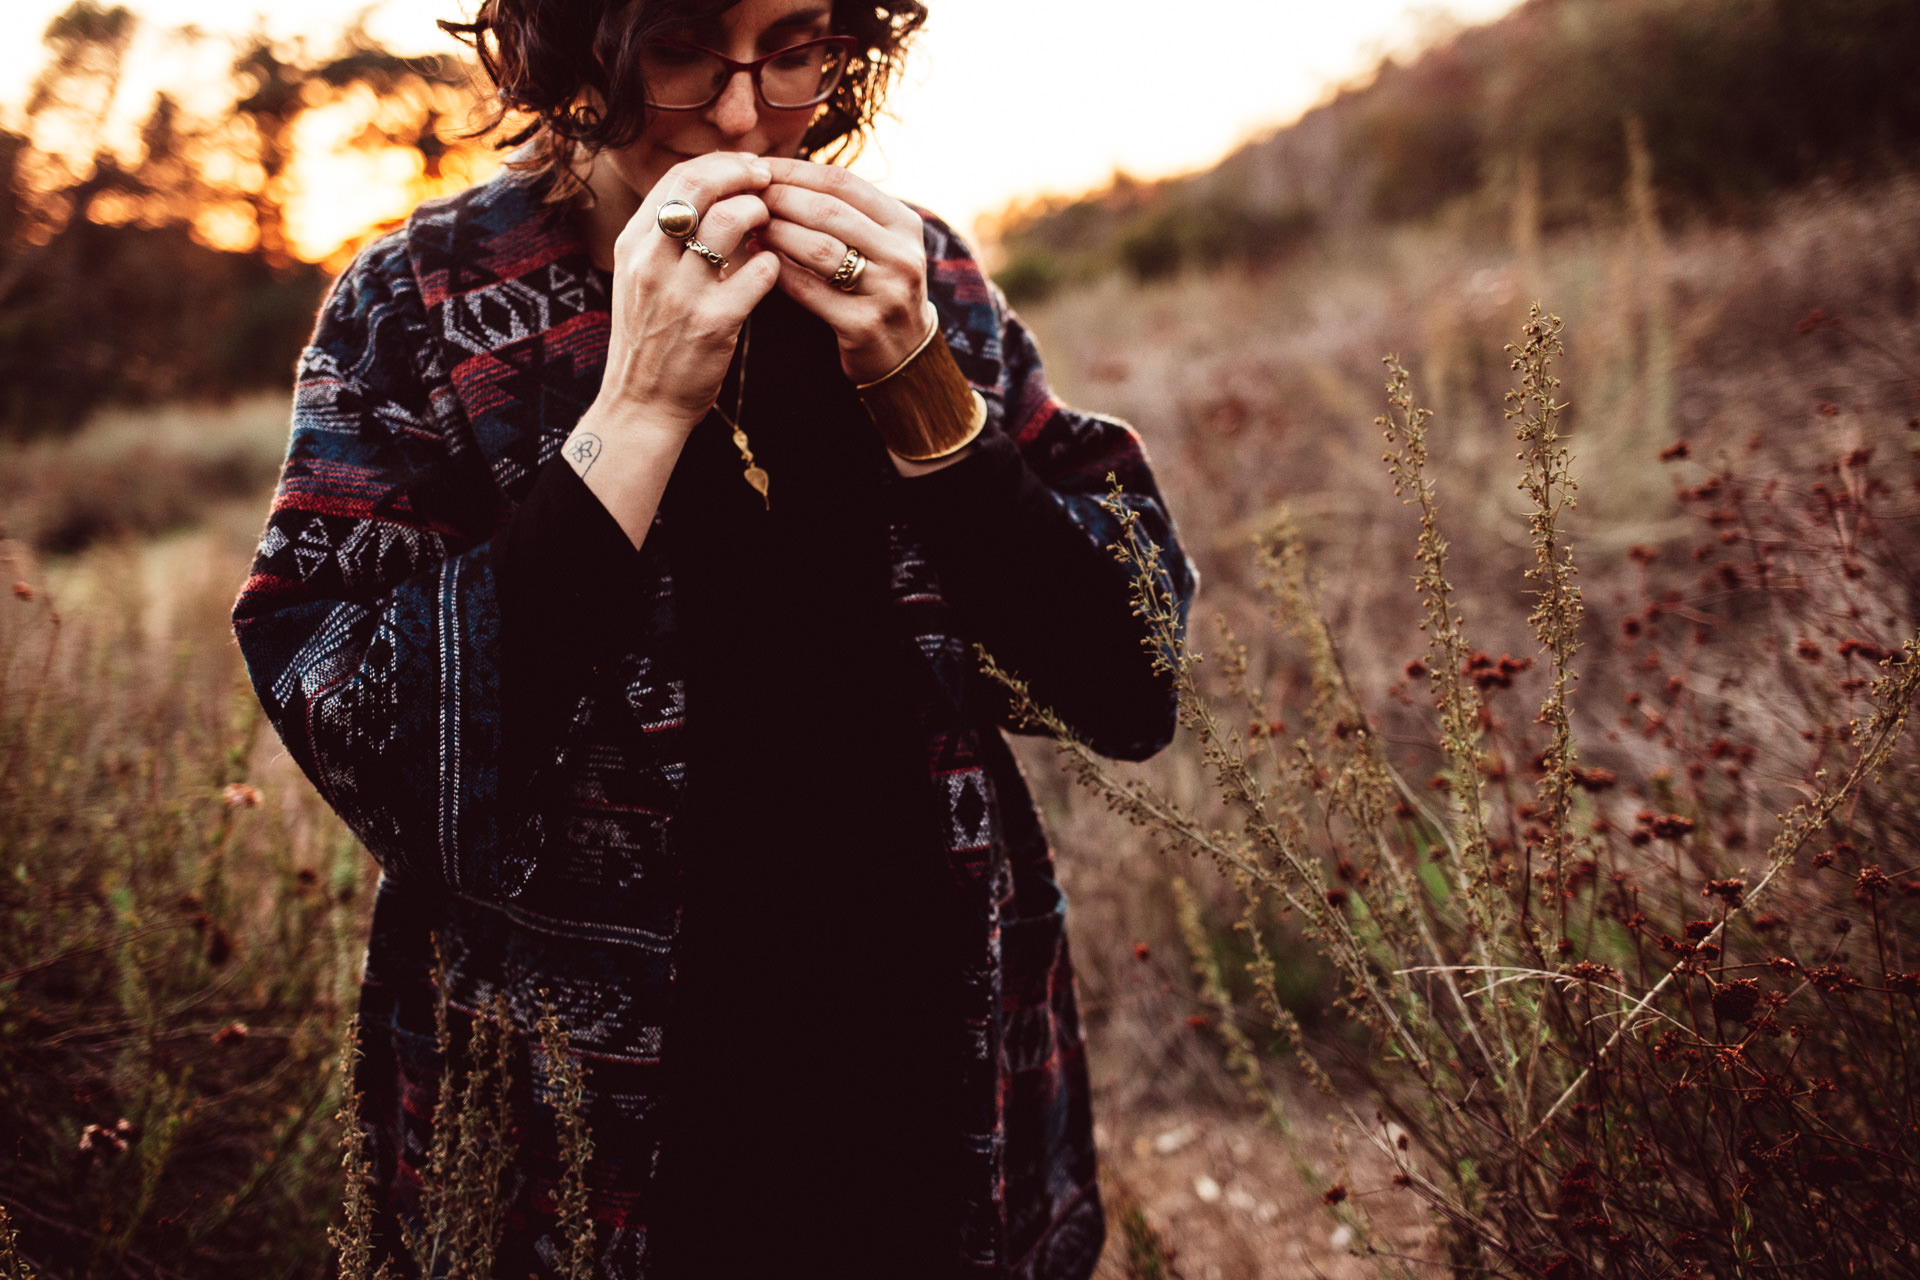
{"points": [[1736, 1000], [1489, 672], [1834, 979], [1730, 891]]}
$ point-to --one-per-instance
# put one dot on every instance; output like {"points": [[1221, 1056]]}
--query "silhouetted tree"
{"points": [[107, 292]]}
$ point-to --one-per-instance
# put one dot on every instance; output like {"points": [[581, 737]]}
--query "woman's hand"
{"points": [[818, 213], [675, 321], [675, 317]]}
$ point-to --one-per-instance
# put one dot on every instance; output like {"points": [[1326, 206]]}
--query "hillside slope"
{"points": [[1737, 100]]}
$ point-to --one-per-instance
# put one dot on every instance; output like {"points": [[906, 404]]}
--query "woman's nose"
{"points": [[736, 110]]}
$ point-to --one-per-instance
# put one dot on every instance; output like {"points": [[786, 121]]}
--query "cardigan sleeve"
{"points": [[370, 623], [1021, 533]]}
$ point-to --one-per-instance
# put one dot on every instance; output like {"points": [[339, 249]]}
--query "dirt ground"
{"points": [[1228, 1201]]}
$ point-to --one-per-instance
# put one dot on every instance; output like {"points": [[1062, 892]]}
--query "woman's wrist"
{"points": [[926, 412], [625, 461]]}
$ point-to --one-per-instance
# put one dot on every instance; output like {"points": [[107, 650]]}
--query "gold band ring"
{"points": [[718, 261], [847, 278]]}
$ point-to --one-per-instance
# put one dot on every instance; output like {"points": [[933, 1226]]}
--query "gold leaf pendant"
{"points": [[755, 476]]}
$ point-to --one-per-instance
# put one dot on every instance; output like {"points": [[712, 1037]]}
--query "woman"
{"points": [[642, 511]]}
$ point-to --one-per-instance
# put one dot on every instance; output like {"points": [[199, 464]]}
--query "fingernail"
{"points": [[761, 170]]}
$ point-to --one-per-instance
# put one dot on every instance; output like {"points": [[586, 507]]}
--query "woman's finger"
{"points": [[702, 182], [744, 284], [729, 223], [843, 312], [834, 217], [848, 188], [817, 251]]}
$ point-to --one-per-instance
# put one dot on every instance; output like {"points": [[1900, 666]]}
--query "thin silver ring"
{"points": [[718, 260]]}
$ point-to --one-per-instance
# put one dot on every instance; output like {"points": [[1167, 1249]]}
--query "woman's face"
{"points": [[738, 120]]}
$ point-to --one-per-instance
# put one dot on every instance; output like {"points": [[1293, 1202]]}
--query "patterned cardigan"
{"points": [[447, 366]]}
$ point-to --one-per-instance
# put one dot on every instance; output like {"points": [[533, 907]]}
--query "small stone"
{"points": [[1174, 1139], [1207, 1189], [1342, 1236]]}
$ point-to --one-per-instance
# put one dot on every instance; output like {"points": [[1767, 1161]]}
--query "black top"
{"points": [[807, 802]]}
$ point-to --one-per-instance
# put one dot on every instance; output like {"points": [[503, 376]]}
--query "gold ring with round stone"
{"points": [[847, 278], [677, 220], [711, 255]]}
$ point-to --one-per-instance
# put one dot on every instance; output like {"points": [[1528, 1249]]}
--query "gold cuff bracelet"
{"points": [[924, 409]]}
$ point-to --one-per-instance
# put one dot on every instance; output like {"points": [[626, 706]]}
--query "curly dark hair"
{"points": [[541, 57]]}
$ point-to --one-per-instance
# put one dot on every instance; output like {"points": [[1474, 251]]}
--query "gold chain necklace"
{"points": [[756, 476]]}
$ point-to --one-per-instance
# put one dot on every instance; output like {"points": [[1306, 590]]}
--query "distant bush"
{"points": [[1210, 235], [139, 315], [1739, 98], [1158, 232], [1031, 275], [134, 474]]}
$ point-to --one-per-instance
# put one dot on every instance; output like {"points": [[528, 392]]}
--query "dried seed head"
{"points": [[1871, 883], [1736, 1000], [1730, 891]]}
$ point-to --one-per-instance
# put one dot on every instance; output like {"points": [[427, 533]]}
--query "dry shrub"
{"points": [[131, 475], [1651, 1017], [453, 1228], [179, 920]]}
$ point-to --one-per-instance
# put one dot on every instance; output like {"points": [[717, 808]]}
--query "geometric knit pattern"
{"points": [[448, 364]]}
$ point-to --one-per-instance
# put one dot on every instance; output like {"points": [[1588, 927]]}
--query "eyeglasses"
{"points": [[687, 77]]}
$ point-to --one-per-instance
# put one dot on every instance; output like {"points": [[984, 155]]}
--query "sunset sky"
{"points": [[1004, 99]]}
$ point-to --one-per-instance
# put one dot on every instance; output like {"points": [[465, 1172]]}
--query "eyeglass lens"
{"points": [[681, 76]]}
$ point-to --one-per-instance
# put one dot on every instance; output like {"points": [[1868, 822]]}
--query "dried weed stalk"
{"points": [[566, 1077], [12, 1265], [455, 1229]]}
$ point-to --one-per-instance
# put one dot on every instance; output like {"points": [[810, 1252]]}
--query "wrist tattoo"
{"points": [[583, 451]]}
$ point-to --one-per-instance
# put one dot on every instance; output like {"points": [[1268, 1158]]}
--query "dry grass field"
{"points": [[181, 914], [1256, 391]]}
